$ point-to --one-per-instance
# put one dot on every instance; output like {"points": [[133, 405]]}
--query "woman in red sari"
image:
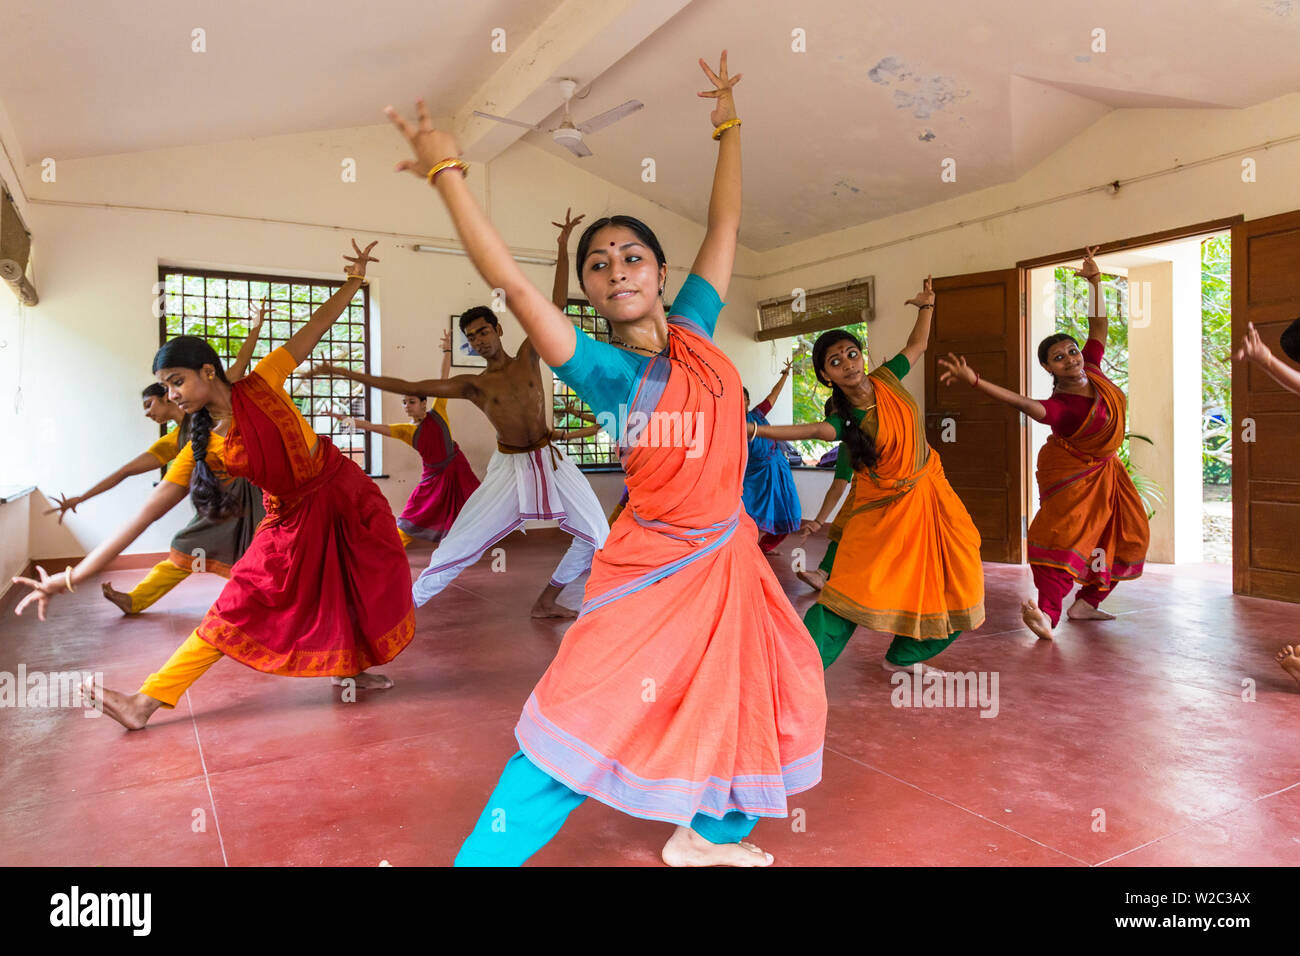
{"points": [[687, 691], [1091, 526], [325, 587]]}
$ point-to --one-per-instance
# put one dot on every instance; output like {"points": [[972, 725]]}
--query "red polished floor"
{"points": [[1138, 724]]}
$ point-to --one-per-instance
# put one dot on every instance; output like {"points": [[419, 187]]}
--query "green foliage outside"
{"points": [[1216, 344]]}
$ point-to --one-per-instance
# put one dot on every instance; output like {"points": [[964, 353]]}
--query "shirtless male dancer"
{"points": [[527, 478]]}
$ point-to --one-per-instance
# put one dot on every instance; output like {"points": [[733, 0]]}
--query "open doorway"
{"points": [[1169, 303]]}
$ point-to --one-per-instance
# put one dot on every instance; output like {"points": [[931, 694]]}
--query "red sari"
{"points": [[325, 587], [445, 485], [688, 684]]}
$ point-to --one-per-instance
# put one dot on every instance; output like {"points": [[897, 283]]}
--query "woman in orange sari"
{"points": [[325, 587], [1091, 526], [686, 691], [908, 558]]}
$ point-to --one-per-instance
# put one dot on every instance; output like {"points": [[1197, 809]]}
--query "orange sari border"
{"points": [[235, 643], [276, 404], [920, 627], [183, 560]]}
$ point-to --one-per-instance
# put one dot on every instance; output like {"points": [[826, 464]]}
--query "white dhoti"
{"points": [[520, 486]]}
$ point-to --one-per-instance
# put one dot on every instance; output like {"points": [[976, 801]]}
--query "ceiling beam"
{"points": [[581, 39]]}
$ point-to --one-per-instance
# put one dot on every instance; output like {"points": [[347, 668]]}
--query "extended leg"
{"points": [[829, 631], [1054, 585], [163, 689], [906, 651], [575, 561], [524, 812], [1085, 604], [162, 577]]}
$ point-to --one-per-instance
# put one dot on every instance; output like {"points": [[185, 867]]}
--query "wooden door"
{"points": [[1265, 471], [981, 441]]}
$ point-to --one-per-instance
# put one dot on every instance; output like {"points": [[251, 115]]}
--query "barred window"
{"points": [[220, 306], [600, 450]]}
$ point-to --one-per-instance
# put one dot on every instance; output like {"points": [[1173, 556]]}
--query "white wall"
{"points": [[92, 339]]}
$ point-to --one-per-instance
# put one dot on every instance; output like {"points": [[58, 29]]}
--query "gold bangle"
{"points": [[447, 164], [362, 279], [67, 578], [723, 127]]}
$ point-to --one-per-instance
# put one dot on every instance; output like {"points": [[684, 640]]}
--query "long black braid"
{"points": [[862, 450], [212, 496]]}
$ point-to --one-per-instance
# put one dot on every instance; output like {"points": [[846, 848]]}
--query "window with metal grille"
{"points": [[600, 450], [219, 307], [816, 310]]}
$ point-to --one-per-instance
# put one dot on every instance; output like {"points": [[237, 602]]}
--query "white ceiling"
{"points": [[850, 131]]}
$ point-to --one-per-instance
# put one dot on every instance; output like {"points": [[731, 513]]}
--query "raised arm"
{"points": [[955, 369], [458, 387], [364, 425], [717, 255], [920, 337], [445, 371], [240, 367], [1098, 323], [560, 290], [550, 332], [1253, 349], [301, 344], [139, 465], [780, 383], [165, 497], [823, 431]]}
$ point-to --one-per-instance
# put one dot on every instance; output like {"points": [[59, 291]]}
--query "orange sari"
{"points": [[1090, 521], [909, 555], [688, 684]]}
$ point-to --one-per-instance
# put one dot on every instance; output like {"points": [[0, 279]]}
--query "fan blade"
{"points": [[578, 148], [502, 119], [610, 116]]}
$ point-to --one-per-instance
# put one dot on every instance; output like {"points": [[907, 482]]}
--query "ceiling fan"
{"points": [[568, 134]]}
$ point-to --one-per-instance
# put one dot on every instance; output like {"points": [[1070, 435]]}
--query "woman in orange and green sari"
{"points": [[1091, 526], [908, 557]]}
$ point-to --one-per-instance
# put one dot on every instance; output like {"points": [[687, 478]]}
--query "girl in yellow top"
{"points": [[447, 481]]}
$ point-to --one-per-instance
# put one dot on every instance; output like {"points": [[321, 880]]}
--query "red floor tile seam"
{"points": [[941, 799], [1200, 822], [207, 780]]}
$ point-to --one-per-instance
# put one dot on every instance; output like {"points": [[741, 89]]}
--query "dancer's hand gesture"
{"points": [[65, 505], [1090, 270], [722, 86], [446, 340], [566, 227], [808, 526], [321, 369], [357, 264], [261, 316], [430, 146], [925, 297], [785, 369], [41, 591], [1252, 347], [955, 369]]}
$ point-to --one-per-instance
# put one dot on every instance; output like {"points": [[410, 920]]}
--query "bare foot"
{"points": [[1081, 610], [815, 579], [1290, 662], [132, 712], [365, 681], [1036, 620], [552, 609], [687, 848], [119, 598], [893, 668]]}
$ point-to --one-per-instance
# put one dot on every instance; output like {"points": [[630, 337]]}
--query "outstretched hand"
{"points": [[955, 369], [722, 86], [1252, 347], [65, 505], [41, 592], [925, 297], [1090, 270], [321, 369], [261, 315], [430, 146], [566, 227], [357, 264]]}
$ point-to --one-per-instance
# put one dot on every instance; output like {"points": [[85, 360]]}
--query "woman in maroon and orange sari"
{"points": [[687, 691], [1091, 526], [325, 587]]}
